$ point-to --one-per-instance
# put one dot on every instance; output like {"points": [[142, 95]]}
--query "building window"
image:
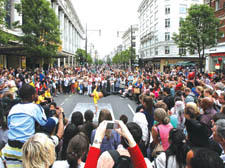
{"points": [[167, 36], [182, 51], [217, 5], [151, 19], [156, 51], [156, 27], [167, 23], [167, 49], [183, 9], [151, 52], [156, 38], [167, 10], [156, 13]]}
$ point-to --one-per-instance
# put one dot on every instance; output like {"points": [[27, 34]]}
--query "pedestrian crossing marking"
{"points": [[82, 107]]}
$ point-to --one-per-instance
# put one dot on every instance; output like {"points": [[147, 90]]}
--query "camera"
{"points": [[112, 125]]}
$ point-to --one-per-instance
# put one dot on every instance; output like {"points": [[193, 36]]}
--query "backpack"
{"points": [[120, 161]]}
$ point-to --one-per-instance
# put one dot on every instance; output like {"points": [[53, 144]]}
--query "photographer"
{"points": [[135, 152], [21, 124]]}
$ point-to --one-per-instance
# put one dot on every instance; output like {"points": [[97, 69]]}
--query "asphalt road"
{"points": [[116, 104]]}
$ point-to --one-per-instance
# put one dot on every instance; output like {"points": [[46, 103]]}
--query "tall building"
{"points": [[217, 53], [71, 29], [131, 37], [71, 35], [158, 20]]}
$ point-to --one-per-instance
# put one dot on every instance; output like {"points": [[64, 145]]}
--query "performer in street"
{"points": [[96, 96]]}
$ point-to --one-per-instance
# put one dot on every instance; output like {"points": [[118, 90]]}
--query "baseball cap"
{"points": [[51, 124]]}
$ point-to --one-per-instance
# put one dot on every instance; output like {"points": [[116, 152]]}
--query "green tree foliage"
{"points": [[81, 57], [4, 36], [124, 57], [198, 31], [40, 27]]}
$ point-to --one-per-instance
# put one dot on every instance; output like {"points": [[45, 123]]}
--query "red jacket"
{"points": [[135, 153]]}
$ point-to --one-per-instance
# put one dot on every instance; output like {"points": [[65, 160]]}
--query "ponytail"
{"points": [[166, 120], [72, 160]]}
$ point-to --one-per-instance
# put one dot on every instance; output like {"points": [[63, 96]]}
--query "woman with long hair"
{"points": [[112, 138], [149, 110], [175, 155], [162, 129], [76, 150]]}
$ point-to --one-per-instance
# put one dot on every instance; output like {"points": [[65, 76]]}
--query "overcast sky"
{"points": [[108, 15]]}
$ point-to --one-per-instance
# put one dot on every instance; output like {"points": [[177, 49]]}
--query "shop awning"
{"points": [[217, 54], [183, 63]]}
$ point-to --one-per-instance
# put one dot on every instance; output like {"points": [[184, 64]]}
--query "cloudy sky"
{"points": [[108, 15]]}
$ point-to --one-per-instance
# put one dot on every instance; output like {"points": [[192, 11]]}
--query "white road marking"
{"points": [[131, 109], [62, 104], [82, 107]]}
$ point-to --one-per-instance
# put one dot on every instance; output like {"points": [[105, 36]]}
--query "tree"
{"points": [[81, 57], [4, 36], [198, 31], [40, 27]]}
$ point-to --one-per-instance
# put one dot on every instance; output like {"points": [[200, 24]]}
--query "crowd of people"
{"points": [[179, 120]]}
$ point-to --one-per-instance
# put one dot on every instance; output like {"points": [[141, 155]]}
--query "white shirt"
{"points": [[141, 120], [161, 161], [64, 164]]}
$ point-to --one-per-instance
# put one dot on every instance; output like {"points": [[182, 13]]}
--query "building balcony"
{"points": [[147, 37]]}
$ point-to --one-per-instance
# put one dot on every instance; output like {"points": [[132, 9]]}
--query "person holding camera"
{"points": [[134, 151], [21, 124]]}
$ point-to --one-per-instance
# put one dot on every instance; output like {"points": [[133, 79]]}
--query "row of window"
{"points": [[182, 51]]}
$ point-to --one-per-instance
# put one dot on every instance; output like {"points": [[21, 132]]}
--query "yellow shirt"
{"points": [[96, 96], [48, 94], [40, 98], [32, 84]]}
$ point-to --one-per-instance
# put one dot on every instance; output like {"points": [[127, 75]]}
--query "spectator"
{"points": [[21, 124], [208, 111], [124, 118], [77, 119], [222, 98], [173, 118], [222, 109], [38, 152], [106, 160], [198, 133], [168, 99], [94, 153], [162, 129], [175, 155], [112, 138], [148, 110], [201, 157], [77, 148], [70, 131], [88, 125], [219, 135]]}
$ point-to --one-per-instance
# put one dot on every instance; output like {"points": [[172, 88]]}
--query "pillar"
{"points": [[64, 62], [61, 27], [58, 62], [55, 8], [65, 33]]}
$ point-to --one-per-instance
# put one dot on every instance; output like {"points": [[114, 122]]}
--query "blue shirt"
{"points": [[108, 144], [21, 121]]}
